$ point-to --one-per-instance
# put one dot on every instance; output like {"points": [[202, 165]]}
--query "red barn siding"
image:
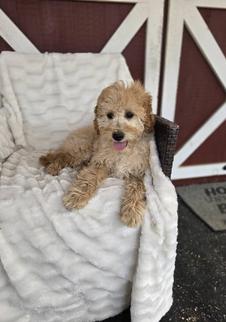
{"points": [[76, 26], [200, 93]]}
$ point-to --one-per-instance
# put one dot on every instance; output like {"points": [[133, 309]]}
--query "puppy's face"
{"points": [[123, 114]]}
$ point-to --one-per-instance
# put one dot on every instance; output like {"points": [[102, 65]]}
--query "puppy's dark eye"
{"points": [[129, 115], [110, 115]]}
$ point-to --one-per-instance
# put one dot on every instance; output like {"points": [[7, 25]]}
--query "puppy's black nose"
{"points": [[118, 135]]}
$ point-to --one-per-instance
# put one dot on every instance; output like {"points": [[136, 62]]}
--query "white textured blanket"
{"points": [[86, 265]]}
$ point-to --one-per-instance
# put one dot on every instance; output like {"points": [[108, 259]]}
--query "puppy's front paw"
{"points": [[131, 215], [44, 160], [75, 199], [53, 169]]}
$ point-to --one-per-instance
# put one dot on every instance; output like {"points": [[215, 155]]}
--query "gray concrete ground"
{"points": [[200, 275]]}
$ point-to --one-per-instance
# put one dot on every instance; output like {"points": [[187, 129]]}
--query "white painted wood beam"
{"points": [[14, 37], [201, 135], [206, 42], [172, 59], [198, 171], [153, 50], [215, 4], [127, 30]]}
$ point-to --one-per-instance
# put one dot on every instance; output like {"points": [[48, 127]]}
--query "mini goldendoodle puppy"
{"points": [[116, 146]]}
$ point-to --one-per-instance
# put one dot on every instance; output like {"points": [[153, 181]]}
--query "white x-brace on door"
{"points": [[180, 12], [185, 12]]}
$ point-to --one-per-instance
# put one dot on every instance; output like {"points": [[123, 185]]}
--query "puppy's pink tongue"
{"points": [[119, 146]]}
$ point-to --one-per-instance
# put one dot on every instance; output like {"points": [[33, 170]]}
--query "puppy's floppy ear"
{"points": [[95, 123], [149, 118], [145, 100]]}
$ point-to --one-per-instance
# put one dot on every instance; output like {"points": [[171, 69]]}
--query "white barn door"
{"points": [[180, 12], [185, 12]]}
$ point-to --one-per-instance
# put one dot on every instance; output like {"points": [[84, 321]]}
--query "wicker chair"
{"points": [[166, 133]]}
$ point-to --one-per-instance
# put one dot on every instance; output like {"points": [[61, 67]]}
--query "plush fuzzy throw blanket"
{"points": [[83, 265]]}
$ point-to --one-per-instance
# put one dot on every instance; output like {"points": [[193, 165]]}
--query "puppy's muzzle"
{"points": [[118, 135]]}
